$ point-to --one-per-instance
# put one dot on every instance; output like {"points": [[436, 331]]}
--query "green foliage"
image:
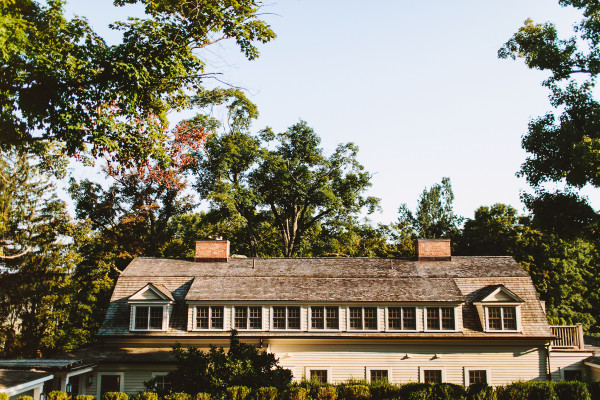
{"points": [[177, 396], [326, 393], [448, 391], [297, 393], [384, 390], [354, 392], [527, 391], [4, 396], [146, 396], [202, 396], [237, 392], [24, 398], [118, 396], [267, 393], [56, 395], [571, 390], [481, 391], [84, 397]]}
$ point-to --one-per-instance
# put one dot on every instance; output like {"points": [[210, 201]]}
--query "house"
{"points": [[434, 318]]}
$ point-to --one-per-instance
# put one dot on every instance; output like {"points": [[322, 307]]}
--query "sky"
{"points": [[417, 86]]}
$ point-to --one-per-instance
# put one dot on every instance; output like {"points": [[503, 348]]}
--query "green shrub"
{"points": [[115, 396], [327, 393], [383, 390], [4, 396], [415, 391], [84, 397], [177, 396], [202, 396], [355, 392], [238, 392], [571, 390], [297, 393], [56, 395], [24, 398], [146, 396], [447, 391], [594, 388], [528, 391], [481, 391], [266, 393]]}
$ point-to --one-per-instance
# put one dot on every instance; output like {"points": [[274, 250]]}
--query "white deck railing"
{"points": [[567, 336]]}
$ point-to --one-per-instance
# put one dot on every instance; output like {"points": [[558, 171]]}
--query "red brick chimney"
{"points": [[433, 250], [212, 251]]}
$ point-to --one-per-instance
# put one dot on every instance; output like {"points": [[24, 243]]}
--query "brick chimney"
{"points": [[212, 251], [433, 250]]}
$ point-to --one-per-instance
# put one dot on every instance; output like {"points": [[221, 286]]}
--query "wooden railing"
{"points": [[568, 336]]}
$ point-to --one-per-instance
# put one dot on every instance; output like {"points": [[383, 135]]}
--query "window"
{"points": [[209, 317], [148, 317], [286, 317], [378, 375], [477, 376], [440, 318], [161, 381], [324, 317], [320, 375], [248, 317], [74, 382], [502, 318], [572, 374], [402, 318], [362, 318], [432, 375]]}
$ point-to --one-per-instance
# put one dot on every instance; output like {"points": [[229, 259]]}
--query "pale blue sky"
{"points": [[417, 85]]}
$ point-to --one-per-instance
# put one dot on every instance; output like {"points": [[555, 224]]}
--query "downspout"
{"points": [[548, 345]]}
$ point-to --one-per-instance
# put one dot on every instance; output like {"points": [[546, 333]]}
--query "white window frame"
{"points": [[272, 315], [466, 371], [428, 368], [165, 317], [439, 307], [99, 381], [163, 373], [517, 308], [387, 320], [308, 369], [210, 307], [376, 329], [262, 317], [325, 329], [369, 369]]}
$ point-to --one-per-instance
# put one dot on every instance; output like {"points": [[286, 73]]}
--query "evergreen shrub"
{"points": [[571, 390], [415, 391], [327, 393], [266, 393], [481, 391], [115, 396], [237, 392], [354, 392], [297, 393], [383, 390], [447, 391]]}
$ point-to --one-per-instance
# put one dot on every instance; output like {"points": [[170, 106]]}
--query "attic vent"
{"points": [[212, 251], [433, 250]]}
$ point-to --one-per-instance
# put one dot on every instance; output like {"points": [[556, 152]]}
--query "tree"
{"points": [[214, 371], [434, 217], [61, 83], [282, 181]]}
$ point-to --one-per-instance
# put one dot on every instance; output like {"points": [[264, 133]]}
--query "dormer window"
{"points": [[499, 309], [150, 308], [502, 318]]}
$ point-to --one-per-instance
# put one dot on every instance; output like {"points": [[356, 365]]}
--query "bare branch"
{"points": [[12, 257]]}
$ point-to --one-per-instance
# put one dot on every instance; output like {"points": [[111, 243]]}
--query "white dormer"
{"points": [[150, 308], [499, 309]]}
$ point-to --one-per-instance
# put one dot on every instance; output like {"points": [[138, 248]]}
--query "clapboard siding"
{"points": [[566, 360]]}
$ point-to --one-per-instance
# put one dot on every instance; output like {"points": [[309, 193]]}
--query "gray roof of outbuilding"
{"points": [[44, 364], [12, 378]]}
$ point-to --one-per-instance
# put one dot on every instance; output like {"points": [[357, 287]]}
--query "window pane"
{"points": [[477, 376], [241, 318], [573, 374], [379, 375], [356, 318], [333, 318], [278, 317], [432, 376], [293, 317], [156, 317], [319, 375], [216, 320], [494, 318], [433, 318], [395, 318], [409, 318], [316, 318], [370, 317], [255, 317], [201, 317], [509, 318], [447, 318], [141, 317]]}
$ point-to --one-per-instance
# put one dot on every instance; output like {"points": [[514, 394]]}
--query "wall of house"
{"points": [[134, 376], [594, 373], [561, 360]]}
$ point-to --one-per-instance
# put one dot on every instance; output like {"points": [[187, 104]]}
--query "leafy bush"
{"points": [[146, 396], [354, 392], [594, 389], [237, 392], [383, 390], [571, 390], [528, 391], [177, 396], [115, 396], [202, 396], [415, 391], [56, 395], [24, 398], [4, 396], [266, 393], [297, 393], [327, 393], [84, 397], [448, 391], [481, 391]]}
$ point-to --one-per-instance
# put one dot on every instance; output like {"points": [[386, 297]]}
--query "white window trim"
{"points": [[432, 367], [369, 369], [262, 317], [163, 373], [165, 318], [562, 372], [308, 369], [99, 381], [271, 315], [424, 315], [387, 321], [487, 320], [325, 329], [466, 374], [376, 329], [194, 321]]}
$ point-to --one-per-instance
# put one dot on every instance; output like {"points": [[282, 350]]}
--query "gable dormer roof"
{"points": [[496, 294], [152, 291]]}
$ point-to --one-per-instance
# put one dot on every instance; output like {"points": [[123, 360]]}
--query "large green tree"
{"points": [[61, 83]]}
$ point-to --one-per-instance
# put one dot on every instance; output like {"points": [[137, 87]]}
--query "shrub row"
{"points": [[356, 390]]}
